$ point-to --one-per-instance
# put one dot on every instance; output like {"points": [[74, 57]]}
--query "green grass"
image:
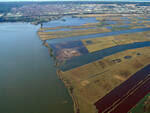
{"points": [[139, 108], [120, 28]]}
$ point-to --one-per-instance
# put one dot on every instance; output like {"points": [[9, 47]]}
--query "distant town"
{"points": [[39, 12]]}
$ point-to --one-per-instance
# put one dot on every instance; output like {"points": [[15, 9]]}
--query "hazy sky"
{"points": [[75, 0]]}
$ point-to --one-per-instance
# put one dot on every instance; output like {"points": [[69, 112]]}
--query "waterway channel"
{"points": [[28, 80]]}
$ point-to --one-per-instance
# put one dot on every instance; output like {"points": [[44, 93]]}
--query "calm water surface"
{"points": [[113, 33], [70, 21], [28, 80]]}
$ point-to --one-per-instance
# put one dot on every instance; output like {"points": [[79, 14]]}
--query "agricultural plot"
{"points": [[143, 106], [122, 23], [93, 81], [96, 44], [104, 24], [99, 43], [96, 59], [68, 27], [65, 34]]}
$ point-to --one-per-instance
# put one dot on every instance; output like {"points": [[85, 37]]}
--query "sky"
{"points": [[77, 0]]}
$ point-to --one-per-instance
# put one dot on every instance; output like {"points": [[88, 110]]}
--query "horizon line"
{"points": [[78, 1]]}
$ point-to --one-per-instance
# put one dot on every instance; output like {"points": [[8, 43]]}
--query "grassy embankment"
{"points": [[143, 106], [99, 27], [65, 34], [69, 27], [100, 43], [113, 15], [134, 22], [91, 82]]}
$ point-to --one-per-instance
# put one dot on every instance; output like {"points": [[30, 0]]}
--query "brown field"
{"points": [[64, 34], [90, 82], [106, 42], [112, 18], [135, 27], [99, 43], [100, 28], [95, 15], [110, 15], [147, 25], [69, 27]]}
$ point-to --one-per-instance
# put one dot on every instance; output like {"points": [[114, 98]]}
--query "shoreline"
{"points": [[67, 85], [68, 82], [70, 91]]}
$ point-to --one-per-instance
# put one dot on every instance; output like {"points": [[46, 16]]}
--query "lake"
{"points": [[28, 80]]}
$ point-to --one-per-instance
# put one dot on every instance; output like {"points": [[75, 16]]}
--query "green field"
{"points": [[143, 106]]}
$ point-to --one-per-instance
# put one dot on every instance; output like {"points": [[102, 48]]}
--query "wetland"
{"points": [[74, 58], [92, 59]]}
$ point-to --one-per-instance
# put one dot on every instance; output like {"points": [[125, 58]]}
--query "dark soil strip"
{"points": [[125, 96]]}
